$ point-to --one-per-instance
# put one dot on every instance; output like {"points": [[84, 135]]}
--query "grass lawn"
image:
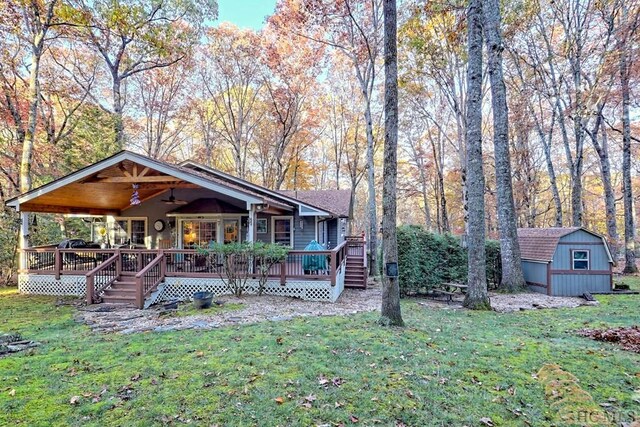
{"points": [[447, 367], [632, 281]]}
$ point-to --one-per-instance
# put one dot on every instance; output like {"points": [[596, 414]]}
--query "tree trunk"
{"points": [[118, 110], [371, 182], [34, 101], [627, 197], [390, 313], [605, 174], [546, 139], [512, 277], [476, 297]]}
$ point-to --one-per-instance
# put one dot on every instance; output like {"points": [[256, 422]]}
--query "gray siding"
{"points": [[575, 285], [597, 254], [535, 273], [332, 225], [302, 237], [264, 237]]}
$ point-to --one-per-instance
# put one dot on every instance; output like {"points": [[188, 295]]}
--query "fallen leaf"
{"points": [[337, 381], [74, 400], [279, 400], [136, 377], [486, 421], [12, 392], [338, 404], [354, 419], [200, 354], [310, 398], [279, 340]]}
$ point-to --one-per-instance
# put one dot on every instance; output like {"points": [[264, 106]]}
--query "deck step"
{"points": [[120, 291], [119, 299], [124, 284]]}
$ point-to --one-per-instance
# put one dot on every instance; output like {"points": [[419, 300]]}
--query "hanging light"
{"points": [[135, 197]]}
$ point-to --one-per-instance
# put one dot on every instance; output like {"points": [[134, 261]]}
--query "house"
{"points": [[149, 217], [565, 261]]}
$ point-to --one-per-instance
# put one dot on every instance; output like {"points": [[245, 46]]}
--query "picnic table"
{"points": [[450, 289]]}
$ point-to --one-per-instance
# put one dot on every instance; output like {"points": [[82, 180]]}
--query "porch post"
{"points": [[24, 238], [251, 224], [251, 227]]}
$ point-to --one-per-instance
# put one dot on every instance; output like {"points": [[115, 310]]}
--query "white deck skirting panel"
{"points": [[183, 288], [42, 284]]}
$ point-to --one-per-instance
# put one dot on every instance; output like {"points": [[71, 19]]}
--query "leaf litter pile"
{"points": [[627, 338]]}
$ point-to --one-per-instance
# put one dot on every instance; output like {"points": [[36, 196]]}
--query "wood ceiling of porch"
{"points": [[106, 192]]}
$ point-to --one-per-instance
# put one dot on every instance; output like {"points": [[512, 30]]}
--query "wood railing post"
{"points": [[139, 292], [57, 263], [139, 261], [334, 256], [283, 273], [118, 263], [90, 288], [163, 265]]}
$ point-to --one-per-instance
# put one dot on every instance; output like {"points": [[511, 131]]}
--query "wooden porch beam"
{"points": [[167, 186], [28, 207], [124, 171], [135, 180]]}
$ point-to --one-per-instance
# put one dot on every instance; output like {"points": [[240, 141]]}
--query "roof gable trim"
{"points": [[117, 158]]}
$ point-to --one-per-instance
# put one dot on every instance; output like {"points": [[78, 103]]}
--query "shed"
{"points": [[565, 261]]}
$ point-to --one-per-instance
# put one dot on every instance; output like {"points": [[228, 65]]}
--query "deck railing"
{"points": [[102, 277], [299, 264], [149, 277]]}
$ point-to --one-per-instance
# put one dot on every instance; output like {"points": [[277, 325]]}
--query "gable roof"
{"points": [[334, 201], [312, 208], [539, 244], [76, 178], [102, 177]]}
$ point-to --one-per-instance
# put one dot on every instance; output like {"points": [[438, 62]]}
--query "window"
{"points": [[231, 233], [199, 233], [282, 230], [128, 231], [261, 225], [580, 259]]}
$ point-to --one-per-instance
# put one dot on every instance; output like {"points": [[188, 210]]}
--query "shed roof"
{"points": [[539, 244]]}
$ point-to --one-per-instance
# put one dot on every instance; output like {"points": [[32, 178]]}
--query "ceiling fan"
{"points": [[173, 201]]}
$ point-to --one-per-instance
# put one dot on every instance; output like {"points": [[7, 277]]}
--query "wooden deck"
{"points": [[139, 271]]}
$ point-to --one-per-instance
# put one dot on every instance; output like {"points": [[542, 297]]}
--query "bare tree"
{"points": [[512, 277], [476, 297], [390, 313]]}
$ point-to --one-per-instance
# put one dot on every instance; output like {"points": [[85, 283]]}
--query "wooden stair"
{"points": [[123, 290], [355, 273]]}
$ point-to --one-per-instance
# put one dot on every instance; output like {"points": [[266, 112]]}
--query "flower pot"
{"points": [[202, 299]]}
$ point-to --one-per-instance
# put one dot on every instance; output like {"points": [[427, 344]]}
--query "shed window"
{"points": [[580, 260]]}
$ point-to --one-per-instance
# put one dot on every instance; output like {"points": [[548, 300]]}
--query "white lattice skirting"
{"points": [[48, 285], [184, 287], [309, 290]]}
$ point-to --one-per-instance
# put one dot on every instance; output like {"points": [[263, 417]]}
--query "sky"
{"points": [[245, 13]]}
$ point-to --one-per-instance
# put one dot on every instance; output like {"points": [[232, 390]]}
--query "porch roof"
{"points": [[105, 187]]}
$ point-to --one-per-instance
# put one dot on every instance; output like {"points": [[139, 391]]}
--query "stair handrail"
{"points": [[338, 258], [143, 276], [92, 291]]}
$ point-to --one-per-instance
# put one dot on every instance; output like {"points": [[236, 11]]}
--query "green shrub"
{"points": [[426, 260]]}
